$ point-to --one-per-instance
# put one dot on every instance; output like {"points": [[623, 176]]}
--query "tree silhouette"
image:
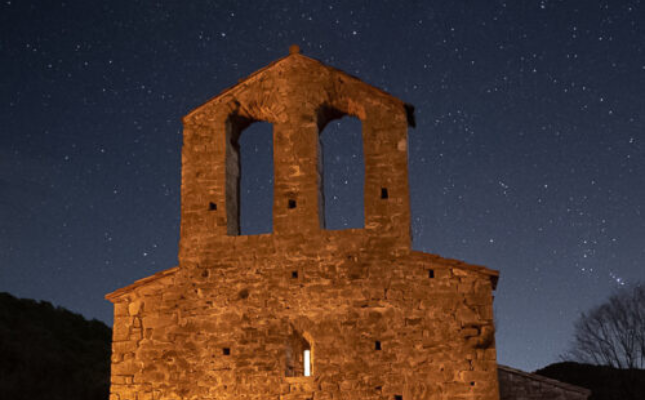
{"points": [[613, 335]]}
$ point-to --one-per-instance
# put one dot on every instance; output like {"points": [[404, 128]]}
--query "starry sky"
{"points": [[528, 156]]}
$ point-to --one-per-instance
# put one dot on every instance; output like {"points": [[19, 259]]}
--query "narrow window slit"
{"points": [[292, 203], [226, 351], [307, 362], [377, 345], [294, 274], [299, 355], [398, 397], [384, 193], [431, 273], [212, 206]]}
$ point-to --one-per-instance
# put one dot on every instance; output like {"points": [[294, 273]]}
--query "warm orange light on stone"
{"points": [[381, 321]]}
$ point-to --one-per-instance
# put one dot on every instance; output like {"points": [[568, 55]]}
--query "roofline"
{"points": [[141, 282], [239, 83], [454, 263], [493, 274], [544, 379], [408, 108]]}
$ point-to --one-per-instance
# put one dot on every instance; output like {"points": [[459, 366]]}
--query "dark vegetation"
{"points": [[48, 352], [605, 383]]}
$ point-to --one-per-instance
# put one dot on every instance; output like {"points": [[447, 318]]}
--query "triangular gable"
{"points": [[298, 62]]}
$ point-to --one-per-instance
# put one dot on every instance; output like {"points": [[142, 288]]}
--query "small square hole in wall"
{"points": [[431, 273], [226, 351], [377, 345], [384, 193], [294, 274], [212, 206], [398, 397], [292, 203]]}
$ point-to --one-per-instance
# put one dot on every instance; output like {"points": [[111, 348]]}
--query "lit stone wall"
{"points": [[233, 320]]}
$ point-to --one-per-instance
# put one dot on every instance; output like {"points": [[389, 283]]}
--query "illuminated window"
{"points": [[307, 362], [299, 356]]}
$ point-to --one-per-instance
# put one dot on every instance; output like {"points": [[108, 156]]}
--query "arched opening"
{"points": [[299, 355], [249, 176], [341, 170]]}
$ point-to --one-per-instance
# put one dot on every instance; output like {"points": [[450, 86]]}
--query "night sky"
{"points": [[528, 156]]}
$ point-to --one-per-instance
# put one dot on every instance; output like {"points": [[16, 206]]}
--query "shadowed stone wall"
{"points": [[233, 320], [519, 385]]}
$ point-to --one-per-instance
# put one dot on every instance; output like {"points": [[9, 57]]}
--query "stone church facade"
{"points": [[302, 312]]}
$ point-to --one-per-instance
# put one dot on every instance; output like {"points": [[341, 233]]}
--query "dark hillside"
{"points": [[51, 353], [605, 383]]}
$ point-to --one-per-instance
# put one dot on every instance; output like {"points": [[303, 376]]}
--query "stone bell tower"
{"points": [[302, 312]]}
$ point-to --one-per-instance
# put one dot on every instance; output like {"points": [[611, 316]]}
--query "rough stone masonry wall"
{"points": [[220, 325], [171, 334], [298, 96]]}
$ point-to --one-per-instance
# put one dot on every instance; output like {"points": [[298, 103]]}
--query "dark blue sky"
{"points": [[528, 156]]}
